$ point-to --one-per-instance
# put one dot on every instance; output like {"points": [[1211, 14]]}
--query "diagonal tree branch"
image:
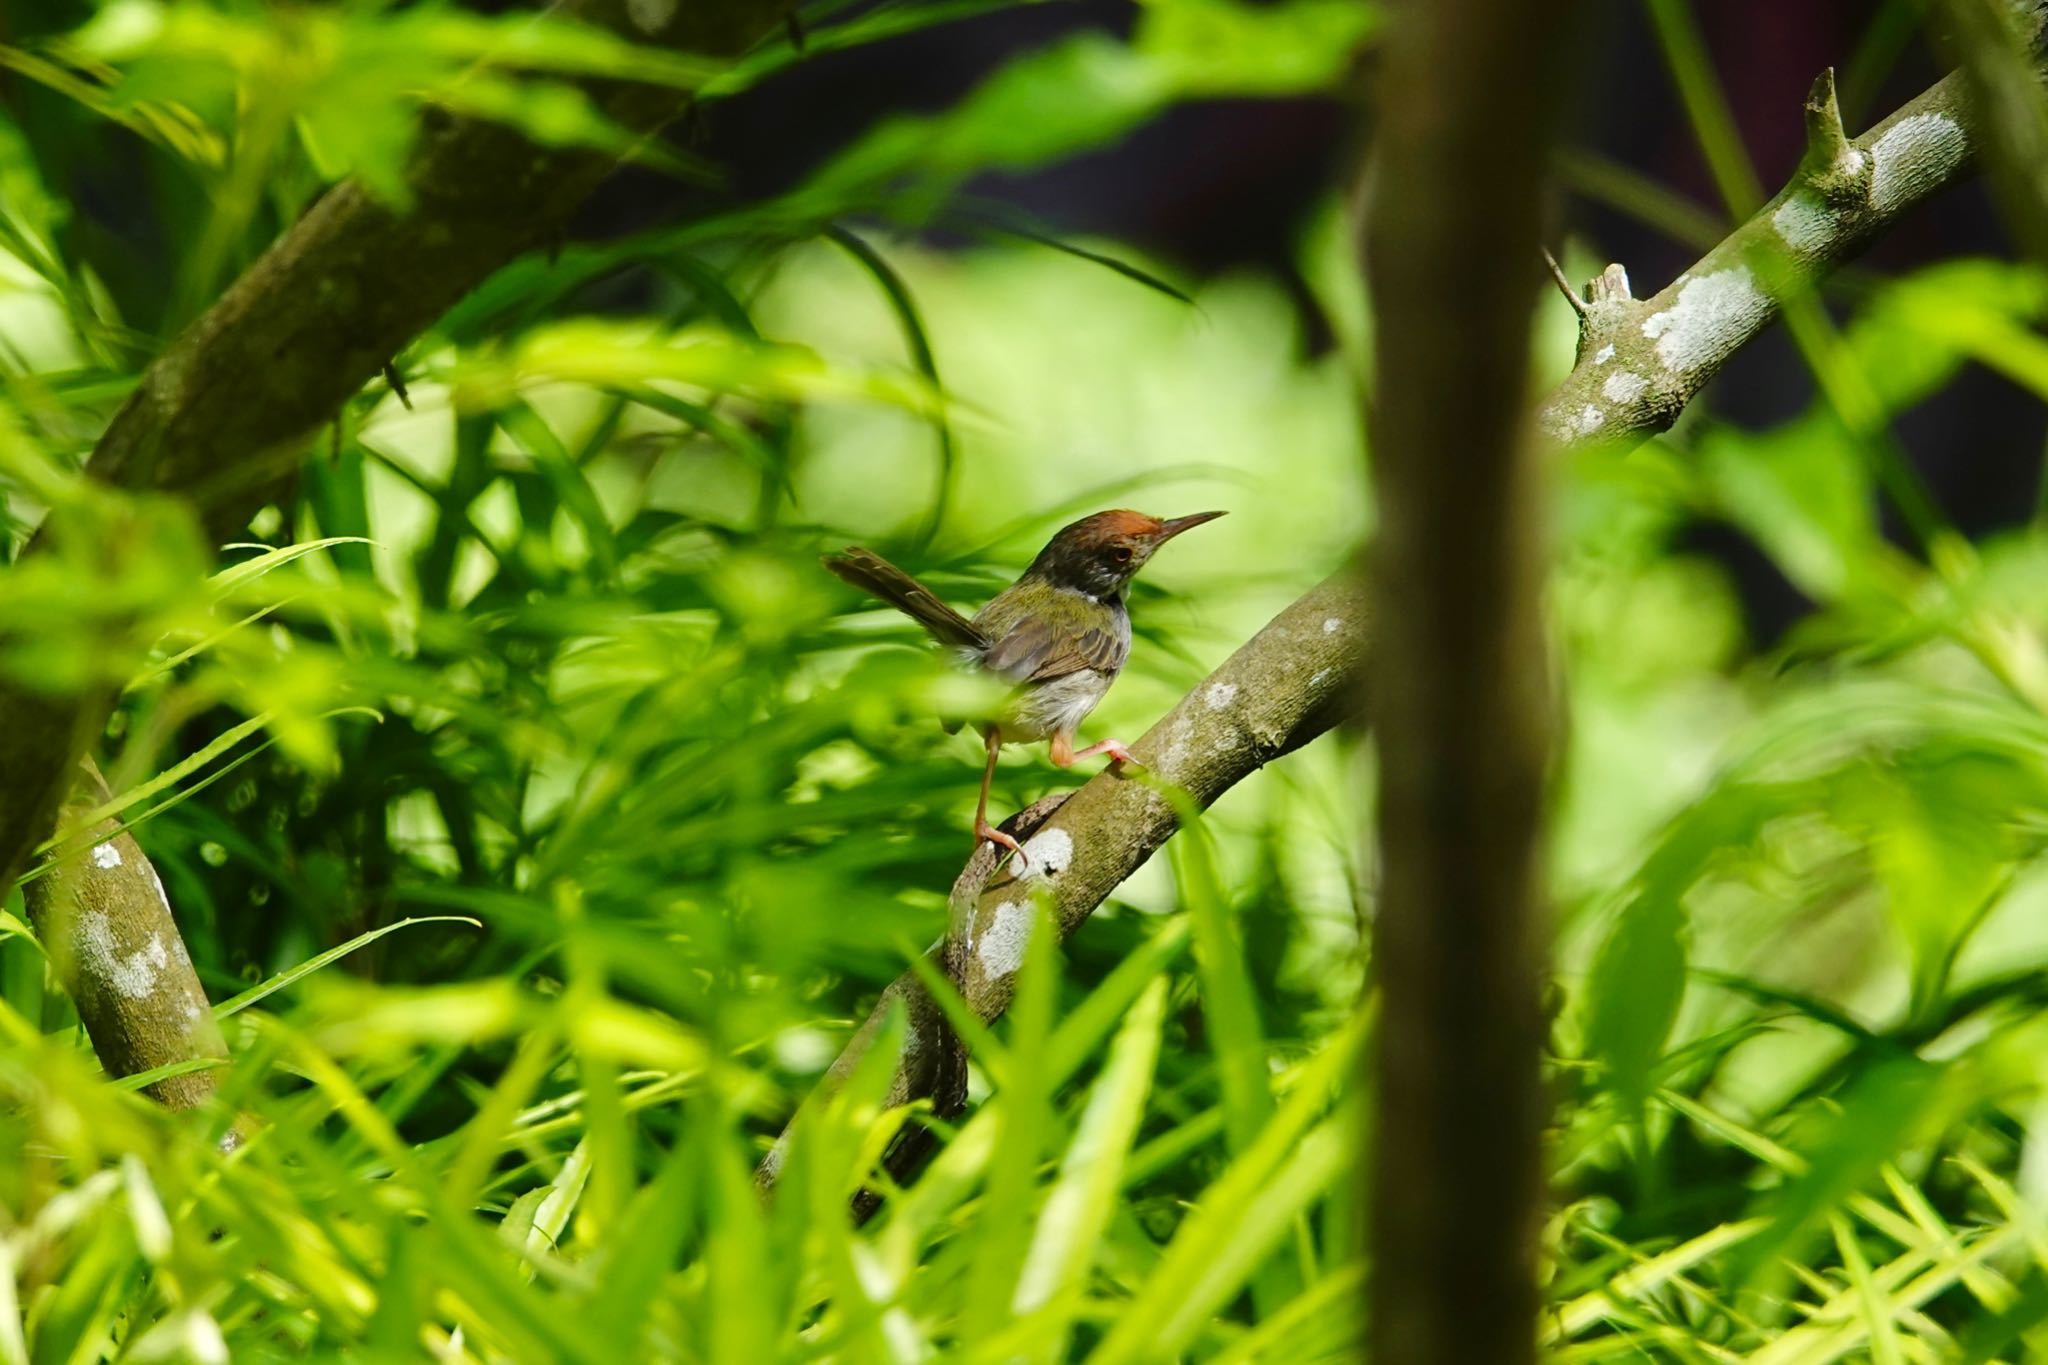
{"points": [[1641, 361], [1287, 685], [1923, 147]]}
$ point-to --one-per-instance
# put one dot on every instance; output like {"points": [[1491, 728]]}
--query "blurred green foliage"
{"points": [[544, 817]]}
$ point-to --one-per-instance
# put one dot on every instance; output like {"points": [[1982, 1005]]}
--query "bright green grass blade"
{"points": [[904, 306], [170, 776], [536, 1055], [1232, 1011], [1002, 1233], [1230, 1234], [1839, 1326], [742, 1298], [1083, 1197], [1082, 1029], [13, 1345], [1877, 1309], [139, 1079], [1240, 1216], [567, 478], [1335, 1293], [273, 557], [292, 975]]}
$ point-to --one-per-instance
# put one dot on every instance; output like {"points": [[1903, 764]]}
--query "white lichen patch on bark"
{"points": [[1604, 354], [1001, 951], [134, 975], [1804, 222], [1919, 151], [1569, 425], [1220, 695], [1714, 314], [105, 856], [650, 16], [1332, 624], [1624, 386], [1049, 852]]}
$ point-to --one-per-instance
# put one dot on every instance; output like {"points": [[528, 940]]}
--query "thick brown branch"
{"points": [[1288, 684], [101, 914], [230, 405]]}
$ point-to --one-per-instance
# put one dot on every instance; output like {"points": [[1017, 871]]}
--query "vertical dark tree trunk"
{"points": [[1459, 696]]}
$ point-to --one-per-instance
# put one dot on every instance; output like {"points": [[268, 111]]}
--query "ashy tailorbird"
{"points": [[1061, 633]]}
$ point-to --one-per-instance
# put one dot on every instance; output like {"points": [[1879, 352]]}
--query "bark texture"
{"points": [[101, 914], [1461, 704], [1288, 684], [1641, 361]]}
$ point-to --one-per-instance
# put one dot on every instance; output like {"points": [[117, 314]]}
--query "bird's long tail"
{"points": [[871, 573]]}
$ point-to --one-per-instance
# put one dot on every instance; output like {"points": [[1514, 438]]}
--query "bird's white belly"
{"points": [[1055, 707]]}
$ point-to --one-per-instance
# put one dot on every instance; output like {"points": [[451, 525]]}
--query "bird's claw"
{"points": [[995, 836]]}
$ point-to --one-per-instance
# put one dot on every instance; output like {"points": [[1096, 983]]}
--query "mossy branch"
{"points": [[1290, 683], [225, 413], [102, 915], [1641, 361]]}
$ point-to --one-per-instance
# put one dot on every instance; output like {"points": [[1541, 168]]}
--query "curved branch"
{"points": [[1288, 684], [227, 409], [1642, 360]]}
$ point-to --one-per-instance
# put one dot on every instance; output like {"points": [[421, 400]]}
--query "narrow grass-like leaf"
{"points": [[1078, 1210], [290, 975], [1239, 1217], [904, 306]]}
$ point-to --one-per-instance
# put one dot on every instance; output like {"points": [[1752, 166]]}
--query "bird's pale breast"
{"points": [[1055, 706]]}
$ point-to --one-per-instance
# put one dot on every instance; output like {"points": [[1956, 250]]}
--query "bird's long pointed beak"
{"points": [[1169, 529]]}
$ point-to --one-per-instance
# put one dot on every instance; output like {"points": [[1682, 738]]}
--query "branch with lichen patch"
{"points": [[1641, 361], [225, 413], [102, 916], [1290, 683]]}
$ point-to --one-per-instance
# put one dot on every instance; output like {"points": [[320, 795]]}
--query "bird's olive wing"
{"points": [[1035, 650]]}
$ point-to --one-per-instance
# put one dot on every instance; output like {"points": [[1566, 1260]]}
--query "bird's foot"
{"points": [[984, 830], [1118, 754]]}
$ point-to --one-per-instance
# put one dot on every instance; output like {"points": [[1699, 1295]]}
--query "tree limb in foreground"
{"points": [[221, 413], [101, 914], [232, 403], [1460, 678], [1927, 144], [1292, 681]]}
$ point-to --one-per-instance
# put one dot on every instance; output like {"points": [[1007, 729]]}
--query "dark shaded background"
{"points": [[1213, 187], [1219, 186]]}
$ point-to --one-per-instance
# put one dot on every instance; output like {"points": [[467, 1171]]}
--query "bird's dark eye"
{"points": [[1121, 554]]}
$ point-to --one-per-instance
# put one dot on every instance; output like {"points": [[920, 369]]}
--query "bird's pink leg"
{"points": [[1065, 755], [982, 828]]}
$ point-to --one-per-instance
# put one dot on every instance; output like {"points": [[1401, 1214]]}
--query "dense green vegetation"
{"points": [[541, 818]]}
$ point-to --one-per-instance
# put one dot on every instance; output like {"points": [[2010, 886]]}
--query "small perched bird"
{"points": [[1061, 633]]}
